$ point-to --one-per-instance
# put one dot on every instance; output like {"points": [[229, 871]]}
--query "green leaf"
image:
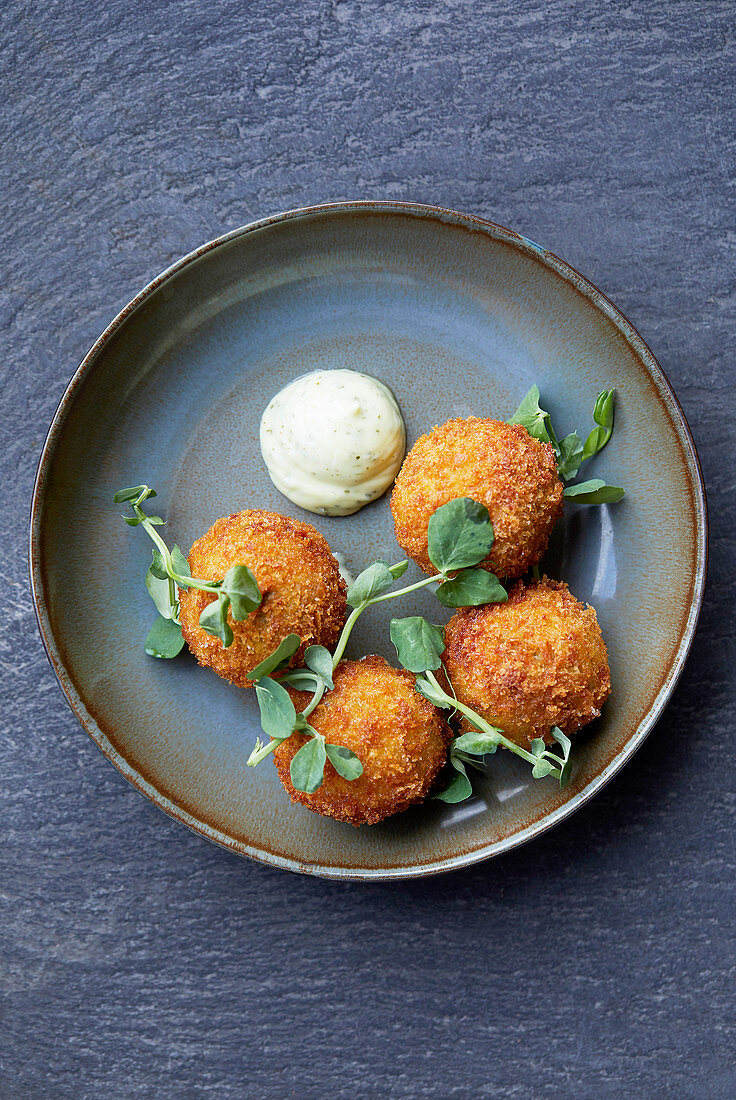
{"points": [[435, 695], [535, 419], [278, 716], [603, 417], [570, 456], [180, 563], [164, 639], [213, 620], [399, 569], [157, 567], [603, 411], [241, 587], [460, 534], [530, 415], [418, 643], [308, 766], [344, 761], [476, 762], [563, 740], [319, 660], [541, 768], [372, 582], [537, 746], [159, 589], [459, 788], [133, 493], [594, 491], [277, 660], [470, 588], [132, 521], [565, 773], [478, 742]]}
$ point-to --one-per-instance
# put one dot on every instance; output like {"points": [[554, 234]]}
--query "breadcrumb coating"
{"points": [[303, 592], [535, 662], [497, 464], [400, 738]]}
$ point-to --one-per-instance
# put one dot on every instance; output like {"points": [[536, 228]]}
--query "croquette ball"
{"points": [[303, 592], [496, 464], [400, 738], [535, 662]]}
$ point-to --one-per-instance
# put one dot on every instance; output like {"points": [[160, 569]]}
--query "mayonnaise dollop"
{"points": [[333, 440]]}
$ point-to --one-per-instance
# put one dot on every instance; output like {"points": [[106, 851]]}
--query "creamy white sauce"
{"points": [[333, 441]]}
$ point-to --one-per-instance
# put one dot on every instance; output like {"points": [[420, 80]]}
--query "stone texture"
{"points": [[136, 959]]}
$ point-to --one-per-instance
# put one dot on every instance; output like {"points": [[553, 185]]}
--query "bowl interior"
{"points": [[458, 318]]}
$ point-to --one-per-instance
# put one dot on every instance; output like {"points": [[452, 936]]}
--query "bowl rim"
{"points": [[677, 416]]}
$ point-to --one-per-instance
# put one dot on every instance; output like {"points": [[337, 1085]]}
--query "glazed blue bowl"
{"points": [[459, 317]]}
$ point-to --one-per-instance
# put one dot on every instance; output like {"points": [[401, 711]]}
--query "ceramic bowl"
{"points": [[459, 317]]}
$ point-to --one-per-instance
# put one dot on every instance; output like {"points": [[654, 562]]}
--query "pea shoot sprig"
{"points": [[237, 592], [279, 717], [420, 646], [571, 451], [460, 536]]}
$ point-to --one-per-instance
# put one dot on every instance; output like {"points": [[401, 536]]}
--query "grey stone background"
{"points": [[139, 961]]}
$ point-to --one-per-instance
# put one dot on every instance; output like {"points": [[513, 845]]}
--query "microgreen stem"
{"points": [[409, 588], [260, 752], [358, 611], [316, 698], [151, 531], [174, 577], [483, 726], [343, 639]]}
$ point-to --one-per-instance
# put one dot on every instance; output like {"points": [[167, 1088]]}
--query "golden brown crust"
{"points": [[303, 592], [400, 738], [529, 664], [497, 464]]}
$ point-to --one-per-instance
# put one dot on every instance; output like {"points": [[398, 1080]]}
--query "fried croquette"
{"points": [[496, 464], [303, 592], [400, 738], [535, 662]]}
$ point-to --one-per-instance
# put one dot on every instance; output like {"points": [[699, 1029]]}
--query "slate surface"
{"points": [[139, 961]]}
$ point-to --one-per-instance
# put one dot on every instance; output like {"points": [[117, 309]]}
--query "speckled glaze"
{"points": [[459, 317]]}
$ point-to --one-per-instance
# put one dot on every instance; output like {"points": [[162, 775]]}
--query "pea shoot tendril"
{"points": [[571, 451], [237, 592]]}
